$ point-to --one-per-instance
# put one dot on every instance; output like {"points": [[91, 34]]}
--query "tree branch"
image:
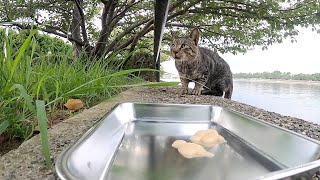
{"points": [[125, 32], [83, 24], [121, 14], [147, 28], [107, 16], [105, 12], [129, 41], [111, 24], [175, 5], [51, 31], [134, 42], [75, 31], [183, 11]]}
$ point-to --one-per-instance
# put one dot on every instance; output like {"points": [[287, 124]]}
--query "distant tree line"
{"points": [[279, 75], [46, 45]]}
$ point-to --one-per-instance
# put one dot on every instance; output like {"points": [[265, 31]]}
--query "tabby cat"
{"points": [[211, 74]]}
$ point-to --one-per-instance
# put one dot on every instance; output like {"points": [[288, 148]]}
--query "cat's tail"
{"points": [[208, 92], [228, 93], [212, 92]]}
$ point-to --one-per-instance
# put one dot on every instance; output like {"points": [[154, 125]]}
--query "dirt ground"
{"points": [[7, 143]]}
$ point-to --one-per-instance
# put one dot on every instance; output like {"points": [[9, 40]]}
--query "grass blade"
{"points": [[8, 52], [3, 126], [125, 58], [17, 60], [22, 49], [42, 79], [149, 84], [120, 73], [26, 97], [124, 72], [155, 84], [112, 57], [34, 44], [42, 120]]}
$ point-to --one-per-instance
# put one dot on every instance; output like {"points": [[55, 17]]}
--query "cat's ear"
{"points": [[195, 36]]}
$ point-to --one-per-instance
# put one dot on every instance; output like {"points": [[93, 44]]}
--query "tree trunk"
{"points": [[75, 31], [106, 18]]}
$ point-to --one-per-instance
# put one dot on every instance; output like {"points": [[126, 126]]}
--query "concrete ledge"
{"points": [[26, 162]]}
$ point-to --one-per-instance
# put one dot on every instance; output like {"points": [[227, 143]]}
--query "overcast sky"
{"points": [[300, 57]]}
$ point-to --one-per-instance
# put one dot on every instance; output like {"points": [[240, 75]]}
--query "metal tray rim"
{"points": [[61, 163], [273, 125]]}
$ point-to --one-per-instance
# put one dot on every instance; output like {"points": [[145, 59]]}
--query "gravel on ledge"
{"points": [[27, 162]]}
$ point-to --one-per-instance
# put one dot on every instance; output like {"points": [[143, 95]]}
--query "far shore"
{"points": [[264, 80], [307, 82]]}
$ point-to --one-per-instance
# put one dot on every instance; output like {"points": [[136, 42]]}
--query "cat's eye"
{"points": [[172, 45], [183, 45]]}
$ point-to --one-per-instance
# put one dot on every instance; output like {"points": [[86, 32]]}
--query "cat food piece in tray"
{"points": [[191, 150], [208, 138]]}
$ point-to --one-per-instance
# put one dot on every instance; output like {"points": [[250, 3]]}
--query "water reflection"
{"points": [[301, 100], [146, 155]]}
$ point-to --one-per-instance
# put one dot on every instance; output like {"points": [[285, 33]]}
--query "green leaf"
{"points": [[42, 80], [8, 52], [150, 84], [22, 49], [125, 58], [34, 44], [82, 90], [17, 60], [3, 126], [120, 73], [112, 57], [124, 72], [154, 84], [42, 120], [26, 97]]}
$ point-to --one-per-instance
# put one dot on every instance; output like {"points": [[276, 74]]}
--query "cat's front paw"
{"points": [[183, 92], [196, 92]]}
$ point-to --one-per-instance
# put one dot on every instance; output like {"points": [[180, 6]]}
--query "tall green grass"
{"points": [[31, 87], [42, 119]]}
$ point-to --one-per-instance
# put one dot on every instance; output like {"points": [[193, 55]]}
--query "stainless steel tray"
{"points": [[134, 140]]}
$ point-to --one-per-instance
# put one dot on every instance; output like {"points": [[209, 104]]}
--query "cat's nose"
{"points": [[174, 52]]}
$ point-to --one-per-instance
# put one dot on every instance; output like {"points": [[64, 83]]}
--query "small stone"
{"points": [[33, 162]]}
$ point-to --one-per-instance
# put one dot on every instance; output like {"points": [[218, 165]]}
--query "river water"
{"points": [[299, 99]]}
